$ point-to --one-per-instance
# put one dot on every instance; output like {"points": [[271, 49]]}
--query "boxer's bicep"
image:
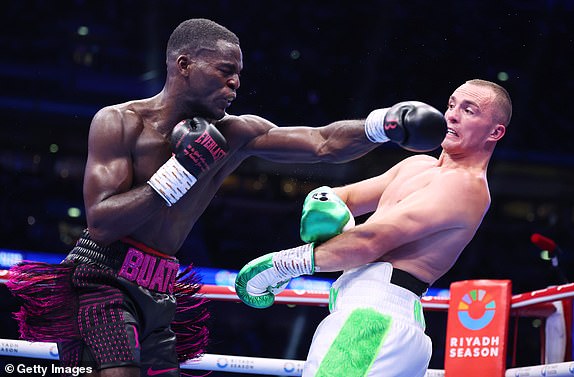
{"points": [[108, 167], [288, 144]]}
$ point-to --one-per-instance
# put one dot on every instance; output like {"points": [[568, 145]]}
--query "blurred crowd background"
{"points": [[305, 63]]}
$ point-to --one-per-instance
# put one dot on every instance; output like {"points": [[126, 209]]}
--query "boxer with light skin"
{"points": [[423, 213]]}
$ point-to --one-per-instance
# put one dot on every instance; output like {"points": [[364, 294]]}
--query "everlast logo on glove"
{"points": [[149, 271], [205, 142], [211, 145]]}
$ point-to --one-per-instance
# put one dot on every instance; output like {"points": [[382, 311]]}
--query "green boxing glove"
{"points": [[324, 216], [260, 280]]}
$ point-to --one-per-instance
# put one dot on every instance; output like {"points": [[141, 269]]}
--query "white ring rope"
{"points": [[213, 362], [554, 370], [258, 365]]}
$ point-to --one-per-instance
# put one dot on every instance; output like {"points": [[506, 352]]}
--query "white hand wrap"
{"points": [[296, 261], [374, 128], [171, 181]]}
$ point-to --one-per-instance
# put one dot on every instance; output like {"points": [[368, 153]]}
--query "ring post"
{"points": [[477, 328]]}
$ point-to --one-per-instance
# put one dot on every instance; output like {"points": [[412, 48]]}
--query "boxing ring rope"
{"points": [[536, 303], [257, 365], [213, 362]]}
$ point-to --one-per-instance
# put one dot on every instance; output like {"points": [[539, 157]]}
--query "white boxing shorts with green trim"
{"points": [[375, 328]]}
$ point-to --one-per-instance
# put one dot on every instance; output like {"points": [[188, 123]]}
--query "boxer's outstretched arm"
{"points": [[339, 141], [413, 125]]}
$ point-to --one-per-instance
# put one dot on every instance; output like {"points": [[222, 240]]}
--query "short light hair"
{"points": [[197, 33], [502, 101]]}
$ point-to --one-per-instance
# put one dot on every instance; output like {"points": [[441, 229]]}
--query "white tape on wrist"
{"points": [[171, 181], [296, 261], [374, 126]]}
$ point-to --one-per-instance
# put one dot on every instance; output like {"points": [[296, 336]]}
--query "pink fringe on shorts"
{"points": [[190, 323], [48, 303], [49, 306]]}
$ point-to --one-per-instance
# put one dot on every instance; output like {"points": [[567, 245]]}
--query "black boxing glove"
{"points": [[196, 145], [413, 125]]}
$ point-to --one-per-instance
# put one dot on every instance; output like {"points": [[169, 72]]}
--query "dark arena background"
{"points": [[305, 63]]}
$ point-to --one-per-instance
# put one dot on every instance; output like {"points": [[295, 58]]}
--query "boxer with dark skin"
{"points": [[130, 141]]}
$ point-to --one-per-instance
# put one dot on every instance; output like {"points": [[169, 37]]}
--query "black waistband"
{"points": [[107, 257], [89, 252], [408, 281], [142, 266]]}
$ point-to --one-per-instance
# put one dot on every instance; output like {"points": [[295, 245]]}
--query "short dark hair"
{"points": [[502, 100], [198, 33]]}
